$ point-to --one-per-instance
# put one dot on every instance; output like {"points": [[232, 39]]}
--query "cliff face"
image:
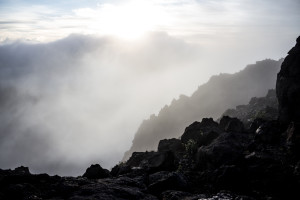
{"points": [[288, 86], [210, 100]]}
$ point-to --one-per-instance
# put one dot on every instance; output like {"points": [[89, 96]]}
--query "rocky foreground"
{"points": [[225, 160]]}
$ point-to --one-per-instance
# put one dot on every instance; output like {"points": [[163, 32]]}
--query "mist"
{"points": [[79, 100]]}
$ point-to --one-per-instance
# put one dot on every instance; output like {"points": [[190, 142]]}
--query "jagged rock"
{"points": [[153, 161], [256, 124], [288, 86], [293, 138], [224, 121], [192, 132], [173, 145], [116, 189], [210, 100], [22, 170], [162, 181], [269, 173], [208, 122], [265, 108], [120, 169], [53, 187], [224, 150], [229, 124], [201, 132], [268, 133], [96, 172]]}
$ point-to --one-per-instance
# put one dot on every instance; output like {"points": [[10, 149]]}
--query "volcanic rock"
{"points": [[96, 172], [288, 86], [201, 132], [173, 145], [231, 124]]}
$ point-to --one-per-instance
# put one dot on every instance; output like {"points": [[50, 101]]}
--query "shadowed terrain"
{"points": [[209, 100]]}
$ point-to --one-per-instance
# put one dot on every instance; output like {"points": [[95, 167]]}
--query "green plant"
{"points": [[191, 147]]}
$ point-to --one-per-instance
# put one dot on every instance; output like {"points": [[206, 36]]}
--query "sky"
{"points": [[78, 77]]}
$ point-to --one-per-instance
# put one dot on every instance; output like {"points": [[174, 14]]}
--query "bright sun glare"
{"points": [[128, 21]]}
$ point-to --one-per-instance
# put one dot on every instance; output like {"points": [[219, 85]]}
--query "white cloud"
{"points": [[182, 18], [80, 100]]}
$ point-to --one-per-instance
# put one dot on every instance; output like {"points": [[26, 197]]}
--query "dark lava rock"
{"points": [[22, 170], [256, 124], [288, 86], [269, 172], [229, 124], [201, 132], [173, 145], [269, 133], [162, 181], [265, 108], [293, 138], [120, 169], [153, 161], [38, 187], [224, 150], [96, 172]]}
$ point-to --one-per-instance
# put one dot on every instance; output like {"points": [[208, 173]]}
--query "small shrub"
{"points": [[191, 147]]}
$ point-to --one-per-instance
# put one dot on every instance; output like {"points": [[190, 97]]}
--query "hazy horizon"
{"points": [[78, 77]]}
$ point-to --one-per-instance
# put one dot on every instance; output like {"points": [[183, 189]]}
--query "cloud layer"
{"points": [[195, 20], [79, 100]]}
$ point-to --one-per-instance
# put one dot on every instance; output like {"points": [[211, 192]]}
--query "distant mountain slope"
{"points": [[209, 100], [265, 108]]}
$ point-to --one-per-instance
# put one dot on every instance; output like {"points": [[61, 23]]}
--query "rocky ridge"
{"points": [[263, 108], [211, 160], [209, 100]]}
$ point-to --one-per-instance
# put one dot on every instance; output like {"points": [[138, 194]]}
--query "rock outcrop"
{"points": [[264, 108], [288, 86], [96, 172], [209, 100]]}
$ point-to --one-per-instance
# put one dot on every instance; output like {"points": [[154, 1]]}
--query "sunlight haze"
{"points": [[79, 77]]}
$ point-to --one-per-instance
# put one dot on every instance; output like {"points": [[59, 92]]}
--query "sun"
{"points": [[127, 21]]}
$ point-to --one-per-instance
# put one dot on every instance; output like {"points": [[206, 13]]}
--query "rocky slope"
{"points": [[209, 100], [212, 160], [263, 108]]}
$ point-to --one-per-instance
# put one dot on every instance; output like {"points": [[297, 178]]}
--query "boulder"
{"points": [[229, 124], [227, 149], [256, 124], [269, 173], [265, 108], [173, 145], [288, 86], [120, 169], [162, 181], [268, 133], [153, 161], [96, 172], [22, 171], [202, 133]]}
